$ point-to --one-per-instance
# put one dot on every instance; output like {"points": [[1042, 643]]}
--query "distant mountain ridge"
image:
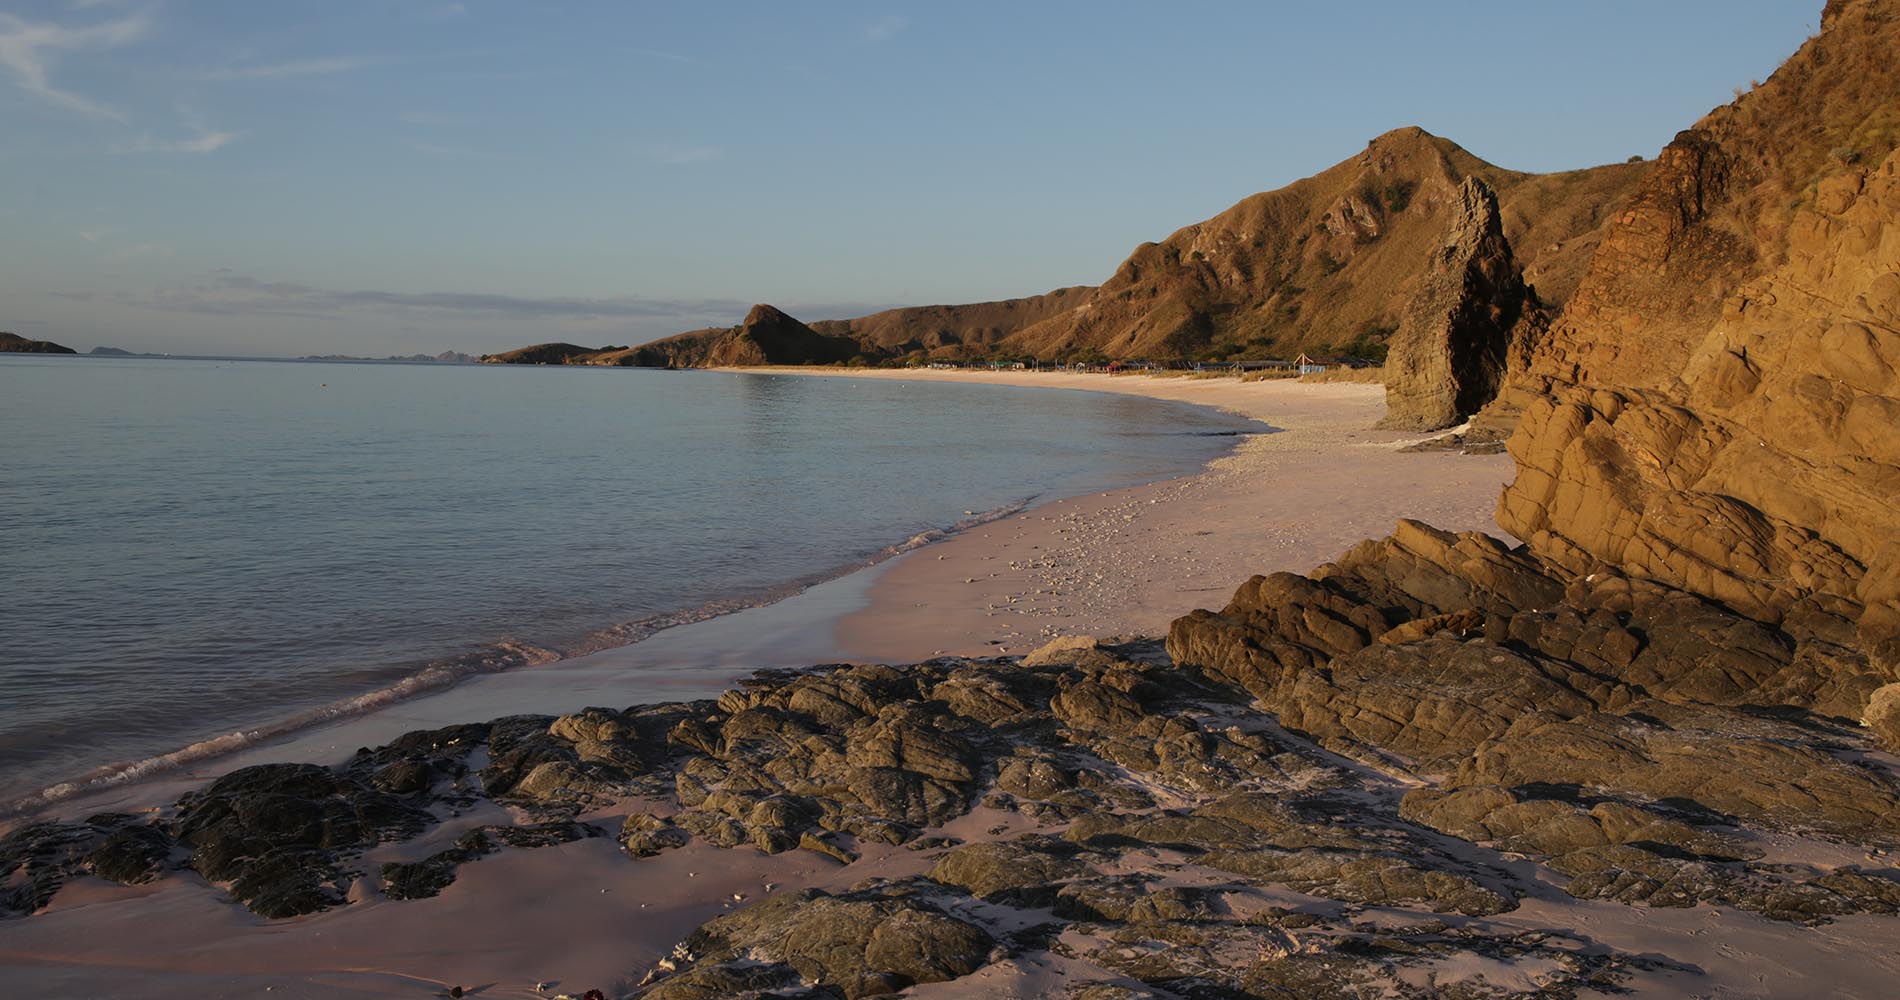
{"points": [[1334, 262]]}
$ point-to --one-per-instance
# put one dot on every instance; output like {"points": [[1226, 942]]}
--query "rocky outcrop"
{"points": [[1715, 409], [275, 833], [1448, 356], [15, 344], [869, 942], [1341, 776]]}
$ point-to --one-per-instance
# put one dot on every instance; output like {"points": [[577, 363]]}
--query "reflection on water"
{"points": [[193, 547]]}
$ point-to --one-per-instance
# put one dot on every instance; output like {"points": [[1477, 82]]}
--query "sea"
{"points": [[197, 552]]}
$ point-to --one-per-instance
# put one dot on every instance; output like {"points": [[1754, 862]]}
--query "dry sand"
{"points": [[1130, 561], [584, 915], [1120, 562]]}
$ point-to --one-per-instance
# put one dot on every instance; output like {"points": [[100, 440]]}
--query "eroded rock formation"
{"points": [[1472, 307], [1717, 407]]}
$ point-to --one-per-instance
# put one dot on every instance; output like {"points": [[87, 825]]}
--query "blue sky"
{"points": [[385, 176]]}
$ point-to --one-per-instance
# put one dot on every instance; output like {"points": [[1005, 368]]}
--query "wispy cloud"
{"points": [[296, 67], [464, 152], [238, 295], [429, 118], [687, 154], [111, 246], [885, 27], [669, 56], [138, 251], [206, 141], [447, 11], [28, 51]]}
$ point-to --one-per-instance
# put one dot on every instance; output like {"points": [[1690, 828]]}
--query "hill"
{"points": [[14, 344], [1334, 262], [1328, 262]]}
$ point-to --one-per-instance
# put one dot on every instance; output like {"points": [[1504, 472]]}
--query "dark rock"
{"points": [[277, 831], [645, 835], [131, 855], [990, 869], [428, 877], [862, 943]]}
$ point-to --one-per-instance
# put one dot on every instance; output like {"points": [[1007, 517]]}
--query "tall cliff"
{"points": [[1717, 408]]}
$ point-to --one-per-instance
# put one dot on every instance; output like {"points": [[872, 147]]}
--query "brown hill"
{"points": [[971, 330], [1717, 408], [1331, 260], [549, 354], [766, 337], [11, 343], [1335, 261]]}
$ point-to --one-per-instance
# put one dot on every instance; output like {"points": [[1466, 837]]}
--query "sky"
{"points": [[377, 177]]}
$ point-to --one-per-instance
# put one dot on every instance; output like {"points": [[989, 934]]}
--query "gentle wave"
{"points": [[507, 654]]}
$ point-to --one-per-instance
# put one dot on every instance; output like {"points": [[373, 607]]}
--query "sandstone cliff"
{"points": [[1717, 407]]}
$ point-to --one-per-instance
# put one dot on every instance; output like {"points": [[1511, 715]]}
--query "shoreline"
{"points": [[422, 699], [1065, 567], [585, 913], [986, 587]]}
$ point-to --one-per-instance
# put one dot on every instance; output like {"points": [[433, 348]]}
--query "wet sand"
{"points": [[583, 914], [1130, 561]]}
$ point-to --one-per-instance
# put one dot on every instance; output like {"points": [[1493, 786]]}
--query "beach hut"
{"points": [[1307, 365]]}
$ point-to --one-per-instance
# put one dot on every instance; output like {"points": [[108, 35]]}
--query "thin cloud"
{"points": [[669, 56], [206, 141], [885, 28], [429, 118], [678, 155], [28, 51], [137, 251], [283, 70], [464, 152], [238, 295]]}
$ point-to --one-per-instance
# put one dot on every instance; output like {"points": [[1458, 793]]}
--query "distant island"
{"points": [[12, 343], [446, 357]]}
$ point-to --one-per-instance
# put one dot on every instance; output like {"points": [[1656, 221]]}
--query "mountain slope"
{"points": [[968, 330], [13, 343], [1329, 260]]}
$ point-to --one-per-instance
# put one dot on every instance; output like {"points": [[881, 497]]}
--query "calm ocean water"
{"points": [[194, 548]]}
